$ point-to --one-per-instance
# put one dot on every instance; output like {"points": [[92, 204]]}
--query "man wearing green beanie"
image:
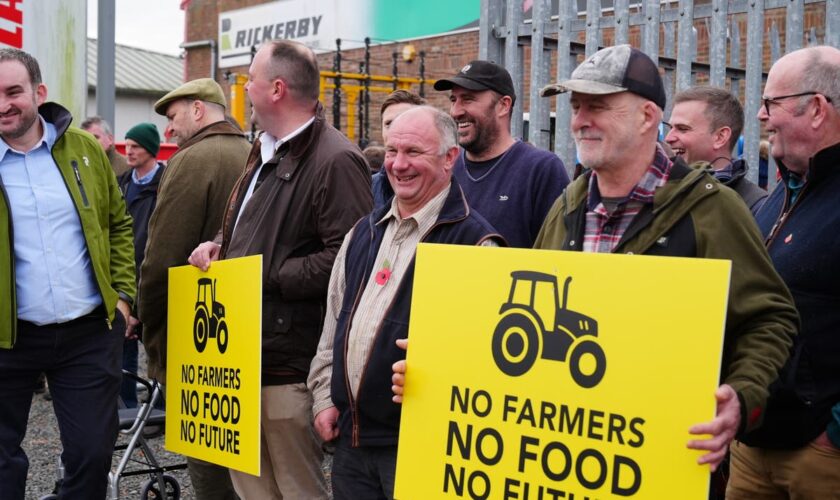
{"points": [[139, 186]]}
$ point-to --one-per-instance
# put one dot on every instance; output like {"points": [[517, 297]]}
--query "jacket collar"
{"points": [[455, 207], [218, 128], [57, 115], [822, 165]]}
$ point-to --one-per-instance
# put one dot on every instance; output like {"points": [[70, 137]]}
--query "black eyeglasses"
{"points": [[767, 101]]}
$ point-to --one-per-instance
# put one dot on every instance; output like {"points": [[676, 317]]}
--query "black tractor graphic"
{"points": [[209, 317], [522, 334]]}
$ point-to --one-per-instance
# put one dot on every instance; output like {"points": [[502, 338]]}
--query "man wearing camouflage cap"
{"points": [[191, 201], [635, 200]]}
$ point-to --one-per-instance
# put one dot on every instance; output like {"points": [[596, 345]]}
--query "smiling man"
{"points": [[704, 127], [66, 282], [376, 266], [510, 182], [796, 452], [635, 200]]}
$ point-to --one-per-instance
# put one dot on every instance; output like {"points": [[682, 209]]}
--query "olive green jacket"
{"points": [[695, 216], [106, 223]]}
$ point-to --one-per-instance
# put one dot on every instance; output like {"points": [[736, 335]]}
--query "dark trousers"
{"points": [[82, 361], [366, 472], [128, 388]]}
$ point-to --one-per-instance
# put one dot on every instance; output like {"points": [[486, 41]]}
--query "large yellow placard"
{"points": [[539, 374], [214, 363]]}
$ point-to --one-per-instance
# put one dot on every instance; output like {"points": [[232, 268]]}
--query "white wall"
{"points": [[129, 111]]}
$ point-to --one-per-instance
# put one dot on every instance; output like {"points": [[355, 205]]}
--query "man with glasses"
{"points": [[704, 127], [796, 452]]}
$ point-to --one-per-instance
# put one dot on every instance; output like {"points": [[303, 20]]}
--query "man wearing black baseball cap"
{"points": [[511, 183], [635, 200]]}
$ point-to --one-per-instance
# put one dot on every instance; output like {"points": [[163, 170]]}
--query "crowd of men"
{"points": [[88, 238]]}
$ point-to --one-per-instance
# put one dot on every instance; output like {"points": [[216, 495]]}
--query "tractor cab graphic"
{"points": [[534, 323], [209, 317]]}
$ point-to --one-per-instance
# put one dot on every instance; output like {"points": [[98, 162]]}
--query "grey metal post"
{"points": [[775, 43], [513, 62], [564, 145], [832, 23], [794, 31], [650, 36], [106, 60], [752, 100], [593, 17], [622, 22], [668, 29], [735, 55], [489, 45], [685, 51], [539, 126], [717, 43]]}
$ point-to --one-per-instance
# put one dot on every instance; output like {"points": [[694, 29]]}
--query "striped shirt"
{"points": [[604, 228]]}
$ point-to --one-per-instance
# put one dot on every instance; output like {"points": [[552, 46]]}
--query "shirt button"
{"points": [[608, 228]]}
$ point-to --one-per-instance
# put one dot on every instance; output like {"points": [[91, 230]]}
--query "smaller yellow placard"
{"points": [[214, 363]]}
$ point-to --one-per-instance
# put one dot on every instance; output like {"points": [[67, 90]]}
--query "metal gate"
{"points": [[666, 31]]}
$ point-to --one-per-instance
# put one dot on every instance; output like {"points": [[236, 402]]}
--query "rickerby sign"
{"points": [[213, 363], [53, 32], [541, 374], [318, 23]]}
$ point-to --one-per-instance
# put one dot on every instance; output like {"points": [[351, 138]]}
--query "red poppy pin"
{"points": [[384, 274]]}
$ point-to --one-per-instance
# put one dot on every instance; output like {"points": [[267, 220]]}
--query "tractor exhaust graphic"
{"points": [[522, 334], [209, 317]]}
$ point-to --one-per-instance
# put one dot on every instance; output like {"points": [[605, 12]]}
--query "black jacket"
{"points": [[753, 195], [804, 243]]}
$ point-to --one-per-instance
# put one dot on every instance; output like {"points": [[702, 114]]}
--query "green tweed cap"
{"points": [[203, 89]]}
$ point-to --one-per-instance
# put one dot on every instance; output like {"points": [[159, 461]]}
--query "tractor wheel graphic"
{"points": [[516, 344], [591, 377], [201, 329], [222, 336]]}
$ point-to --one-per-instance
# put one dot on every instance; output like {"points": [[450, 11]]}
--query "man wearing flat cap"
{"points": [[191, 201], [508, 181], [635, 200]]}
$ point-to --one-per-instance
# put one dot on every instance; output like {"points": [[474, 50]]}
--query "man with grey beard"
{"points": [[511, 183]]}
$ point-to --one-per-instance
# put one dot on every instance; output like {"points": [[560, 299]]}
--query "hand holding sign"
{"points": [[398, 378], [204, 254], [722, 428]]}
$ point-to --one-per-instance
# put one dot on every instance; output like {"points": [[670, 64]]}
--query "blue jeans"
{"points": [[81, 359]]}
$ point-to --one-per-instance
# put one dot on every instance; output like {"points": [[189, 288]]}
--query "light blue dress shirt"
{"points": [[54, 276]]}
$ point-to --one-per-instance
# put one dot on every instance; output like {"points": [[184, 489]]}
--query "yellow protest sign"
{"points": [[538, 374], [213, 363]]}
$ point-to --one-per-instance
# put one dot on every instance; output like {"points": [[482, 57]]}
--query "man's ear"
{"points": [[41, 94], [720, 138], [506, 103], [651, 116], [279, 89], [198, 109]]}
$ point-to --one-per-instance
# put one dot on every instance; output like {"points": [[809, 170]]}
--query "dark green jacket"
{"points": [[105, 221], [695, 216]]}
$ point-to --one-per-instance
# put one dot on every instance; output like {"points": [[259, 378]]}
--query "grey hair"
{"points": [[96, 120], [446, 127], [821, 76]]}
